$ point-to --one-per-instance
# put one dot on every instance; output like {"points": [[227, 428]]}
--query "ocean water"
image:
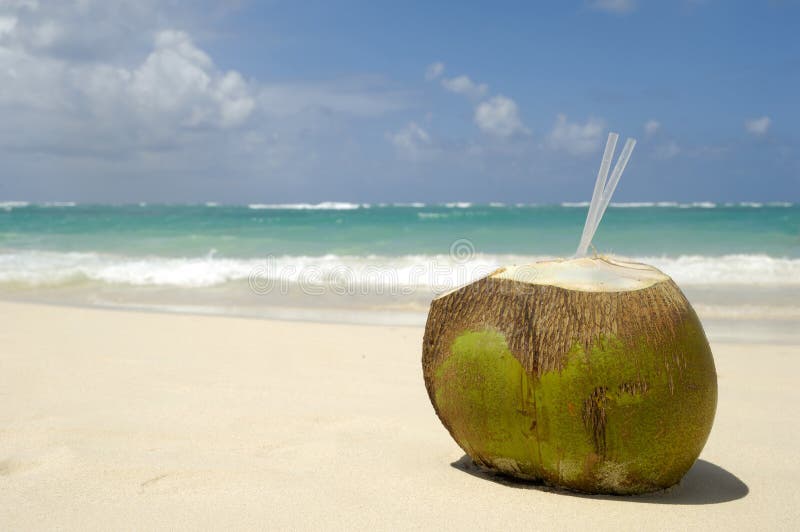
{"points": [[733, 260]]}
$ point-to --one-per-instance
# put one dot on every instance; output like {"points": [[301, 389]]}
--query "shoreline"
{"points": [[723, 328], [147, 420]]}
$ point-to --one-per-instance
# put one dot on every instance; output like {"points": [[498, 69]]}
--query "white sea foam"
{"points": [[41, 268], [325, 205], [633, 204], [8, 205], [414, 204], [575, 204], [740, 269], [698, 205], [458, 205], [665, 204], [51, 268], [638, 204], [58, 204]]}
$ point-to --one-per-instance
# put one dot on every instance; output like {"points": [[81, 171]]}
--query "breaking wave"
{"points": [[326, 205], [27, 268]]}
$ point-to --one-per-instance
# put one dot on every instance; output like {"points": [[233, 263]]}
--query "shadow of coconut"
{"points": [[705, 483]]}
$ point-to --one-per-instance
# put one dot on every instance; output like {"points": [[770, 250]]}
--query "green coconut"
{"points": [[592, 374]]}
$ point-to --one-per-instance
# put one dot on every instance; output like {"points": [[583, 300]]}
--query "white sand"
{"points": [[118, 420]]}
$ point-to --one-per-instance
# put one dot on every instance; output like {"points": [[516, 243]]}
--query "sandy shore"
{"points": [[123, 420]]}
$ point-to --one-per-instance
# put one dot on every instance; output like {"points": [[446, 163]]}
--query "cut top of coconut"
{"points": [[587, 274]]}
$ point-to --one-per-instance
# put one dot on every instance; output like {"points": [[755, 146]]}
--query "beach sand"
{"points": [[126, 420]]}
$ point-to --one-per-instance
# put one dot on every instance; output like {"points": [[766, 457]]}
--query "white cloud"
{"points": [[576, 138], [411, 141], [179, 80], [87, 30], [668, 150], [176, 85], [499, 117], [76, 81], [465, 86], [651, 127], [434, 70], [116, 99], [614, 6], [758, 126]]}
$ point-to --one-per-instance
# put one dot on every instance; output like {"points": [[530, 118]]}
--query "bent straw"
{"points": [[600, 204], [597, 195]]}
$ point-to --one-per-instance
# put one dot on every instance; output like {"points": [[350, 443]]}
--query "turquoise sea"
{"points": [[733, 260], [634, 229]]}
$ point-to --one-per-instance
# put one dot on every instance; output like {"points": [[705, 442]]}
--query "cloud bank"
{"points": [[119, 88], [137, 101]]}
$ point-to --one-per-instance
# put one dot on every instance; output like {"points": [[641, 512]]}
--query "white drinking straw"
{"points": [[601, 200], [599, 185]]}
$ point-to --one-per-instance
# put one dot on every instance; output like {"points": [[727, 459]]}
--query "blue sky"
{"points": [[128, 101]]}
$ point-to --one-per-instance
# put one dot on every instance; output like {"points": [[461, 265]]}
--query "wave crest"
{"points": [[40, 268]]}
